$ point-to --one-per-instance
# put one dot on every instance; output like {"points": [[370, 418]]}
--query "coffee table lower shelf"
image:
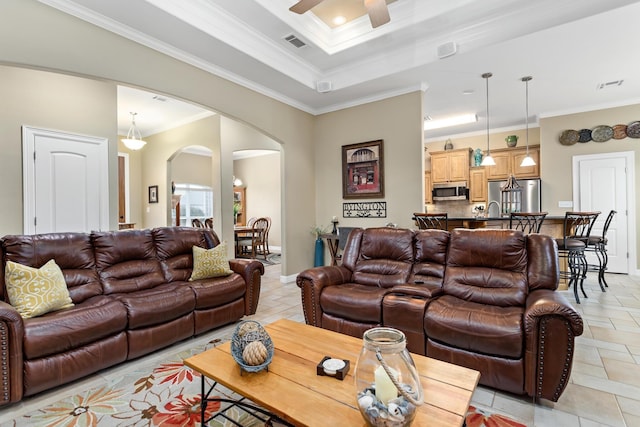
{"points": [[251, 408]]}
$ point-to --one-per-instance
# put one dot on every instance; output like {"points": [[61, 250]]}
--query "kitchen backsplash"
{"points": [[455, 208]]}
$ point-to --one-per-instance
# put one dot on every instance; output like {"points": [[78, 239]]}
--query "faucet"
{"points": [[489, 207]]}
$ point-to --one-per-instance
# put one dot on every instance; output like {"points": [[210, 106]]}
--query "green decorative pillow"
{"points": [[36, 291], [209, 263]]}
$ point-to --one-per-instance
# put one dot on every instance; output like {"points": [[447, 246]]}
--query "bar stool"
{"points": [[426, 221], [598, 244], [527, 222], [576, 230]]}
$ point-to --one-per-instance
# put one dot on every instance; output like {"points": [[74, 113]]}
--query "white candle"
{"points": [[385, 390]]}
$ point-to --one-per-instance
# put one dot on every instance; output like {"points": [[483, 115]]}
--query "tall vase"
{"points": [[319, 254]]}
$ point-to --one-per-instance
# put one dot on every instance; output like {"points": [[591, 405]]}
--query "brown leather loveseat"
{"points": [[484, 299], [131, 294]]}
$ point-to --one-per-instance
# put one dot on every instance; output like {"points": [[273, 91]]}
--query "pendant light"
{"points": [[488, 160], [528, 160], [133, 141]]}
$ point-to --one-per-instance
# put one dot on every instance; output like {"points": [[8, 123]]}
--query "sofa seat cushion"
{"points": [[215, 292], [158, 305], [92, 320], [353, 301], [482, 328]]}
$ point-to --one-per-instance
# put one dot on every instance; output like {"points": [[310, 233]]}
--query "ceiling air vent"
{"points": [[609, 84], [295, 41]]}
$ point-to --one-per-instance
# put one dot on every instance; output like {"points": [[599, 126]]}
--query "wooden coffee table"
{"points": [[293, 391]]}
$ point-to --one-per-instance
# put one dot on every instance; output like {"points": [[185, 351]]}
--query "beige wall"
{"points": [[53, 40], [398, 122], [192, 169], [50, 101], [261, 178]]}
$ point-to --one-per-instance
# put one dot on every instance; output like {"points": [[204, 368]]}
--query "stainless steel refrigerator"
{"points": [[531, 198]]}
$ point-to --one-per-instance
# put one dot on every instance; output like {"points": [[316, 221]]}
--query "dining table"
{"points": [[241, 231]]}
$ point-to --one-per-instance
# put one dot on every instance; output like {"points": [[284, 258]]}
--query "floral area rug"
{"points": [[168, 395]]}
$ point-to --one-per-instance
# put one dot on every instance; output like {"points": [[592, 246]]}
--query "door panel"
{"points": [[65, 179], [603, 186]]}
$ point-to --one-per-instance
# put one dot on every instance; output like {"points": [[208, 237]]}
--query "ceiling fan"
{"points": [[377, 10]]}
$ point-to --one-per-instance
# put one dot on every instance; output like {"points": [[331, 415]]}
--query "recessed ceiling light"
{"points": [[468, 92], [339, 20]]}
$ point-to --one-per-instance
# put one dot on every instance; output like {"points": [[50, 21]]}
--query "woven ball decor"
{"points": [[251, 346]]}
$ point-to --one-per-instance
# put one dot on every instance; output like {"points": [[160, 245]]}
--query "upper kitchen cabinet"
{"points": [[450, 165], [508, 163]]}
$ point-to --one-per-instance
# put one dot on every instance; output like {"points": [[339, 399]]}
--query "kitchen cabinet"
{"points": [[508, 163], [478, 184], [427, 188], [450, 165]]}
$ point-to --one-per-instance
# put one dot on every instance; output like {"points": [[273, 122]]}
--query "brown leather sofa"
{"points": [[485, 299], [131, 296]]}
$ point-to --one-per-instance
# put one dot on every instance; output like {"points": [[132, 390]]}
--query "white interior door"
{"points": [[603, 183], [65, 182]]}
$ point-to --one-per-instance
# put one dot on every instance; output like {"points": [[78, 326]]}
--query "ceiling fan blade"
{"points": [[378, 12], [303, 5]]}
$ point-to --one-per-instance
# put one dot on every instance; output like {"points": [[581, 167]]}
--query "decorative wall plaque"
{"points": [[364, 210]]}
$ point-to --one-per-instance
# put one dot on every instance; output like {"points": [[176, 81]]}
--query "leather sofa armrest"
{"points": [[251, 271], [11, 337], [544, 302], [311, 282], [426, 291], [551, 325]]}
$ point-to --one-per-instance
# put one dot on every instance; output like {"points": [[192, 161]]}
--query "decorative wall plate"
{"points": [[633, 129], [619, 131], [569, 137], [585, 135], [601, 133]]}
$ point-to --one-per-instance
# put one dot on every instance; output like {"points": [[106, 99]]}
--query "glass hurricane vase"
{"points": [[387, 383]]}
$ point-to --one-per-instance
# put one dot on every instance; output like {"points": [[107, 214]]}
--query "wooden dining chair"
{"points": [[208, 223], [253, 242], [425, 221], [527, 222], [195, 222]]}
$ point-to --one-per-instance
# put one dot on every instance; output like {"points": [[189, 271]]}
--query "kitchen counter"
{"points": [[498, 218], [552, 225]]}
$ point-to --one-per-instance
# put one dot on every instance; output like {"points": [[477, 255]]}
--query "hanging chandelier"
{"points": [[528, 160], [488, 160], [133, 141]]}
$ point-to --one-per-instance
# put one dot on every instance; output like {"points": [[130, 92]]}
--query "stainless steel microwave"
{"points": [[450, 191]]}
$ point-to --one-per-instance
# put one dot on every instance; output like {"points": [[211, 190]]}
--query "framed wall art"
{"points": [[153, 194], [363, 170]]}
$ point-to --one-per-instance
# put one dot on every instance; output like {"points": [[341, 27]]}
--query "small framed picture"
{"points": [[153, 194]]}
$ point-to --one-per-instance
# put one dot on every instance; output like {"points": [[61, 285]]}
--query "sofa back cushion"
{"points": [[126, 261], [379, 256], [487, 266], [72, 252], [174, 246], [430, 256]]}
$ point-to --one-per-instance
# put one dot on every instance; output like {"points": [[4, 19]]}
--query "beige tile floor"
{"points": [[604, 389]]}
